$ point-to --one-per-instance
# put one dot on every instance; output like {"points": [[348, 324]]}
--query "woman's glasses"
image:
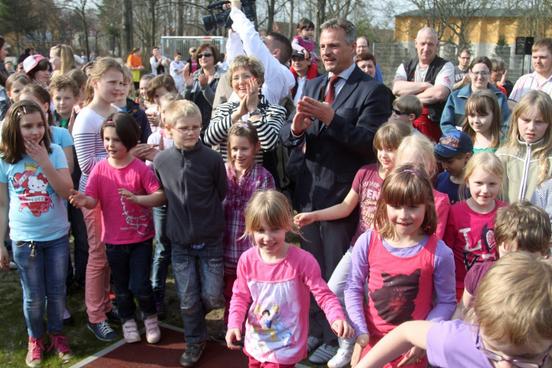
{"points": [[205, 54]]}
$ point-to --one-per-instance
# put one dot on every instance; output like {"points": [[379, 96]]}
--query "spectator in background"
{"points": [[176, 69], [39, 69], [541, 78], [367, 63], [362, 46], [461, 75], [428, 77], [3, 54], [61, 58], [300, 68], [134, 62], [499, 76], [158, 62]]}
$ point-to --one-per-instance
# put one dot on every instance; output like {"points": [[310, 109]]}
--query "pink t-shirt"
{"points": [[123, 221], [275, 298], [367, 184], [442, 207], [471, 236]]}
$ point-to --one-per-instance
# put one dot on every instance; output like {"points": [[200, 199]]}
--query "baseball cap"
{"points": [[453, 143], [31, 62]]}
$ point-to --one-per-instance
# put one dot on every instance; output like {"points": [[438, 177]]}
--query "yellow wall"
{"points": [[481, 30]]}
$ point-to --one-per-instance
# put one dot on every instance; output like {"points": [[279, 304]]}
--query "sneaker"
{"points": [[343, 356], [323, 354], [102, 331], [113, 316], [192, 354], [34, 353], [60, 344], [313, 343], [153, 333], [130, 332]]}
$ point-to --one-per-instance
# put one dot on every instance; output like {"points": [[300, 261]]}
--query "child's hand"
{"points": [[187, 74], [77, 199], [304, 219], [4, 258], [357, 352], [414, 355], [342, 329], [128, 195], [38, 152], [233, 334]]}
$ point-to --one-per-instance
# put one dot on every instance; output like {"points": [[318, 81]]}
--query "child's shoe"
{"points": [[153, 333], [192, 354], [34, 353], [343, 356], [130, 332], [60, 344]]}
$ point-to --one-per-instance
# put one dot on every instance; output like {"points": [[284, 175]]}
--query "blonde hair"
{"points": [[407, 185], [390, 135], [180, 109], [101, 65], [523, 226], [513, 303], [250, 63], [483, 102], [417, 148], [271, 208], [543, 103], [66, 57], [487, 161]]}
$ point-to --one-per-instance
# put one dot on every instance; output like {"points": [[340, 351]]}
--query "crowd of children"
{"points": [[445, 230]]}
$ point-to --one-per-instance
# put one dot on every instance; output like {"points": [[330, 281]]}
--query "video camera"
{"points": [[219, 17]]}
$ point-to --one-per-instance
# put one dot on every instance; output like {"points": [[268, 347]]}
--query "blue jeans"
{"points": [[199, 282], [130, 268], [42, 269], [162, 254]]}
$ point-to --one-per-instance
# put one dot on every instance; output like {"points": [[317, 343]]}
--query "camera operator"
{"points": [[274, 54]]}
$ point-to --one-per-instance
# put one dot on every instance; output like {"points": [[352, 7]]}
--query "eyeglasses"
{"points": [[519, 363], [399, 112], [199, 56]]}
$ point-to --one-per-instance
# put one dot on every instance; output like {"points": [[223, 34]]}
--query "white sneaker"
{"points": [[343, 356], [153, 333], [130, 331]]}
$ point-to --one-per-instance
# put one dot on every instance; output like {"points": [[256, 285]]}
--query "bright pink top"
{"points": [[276, 298], [367, 184], [123, 221], [471, 236], [442, 207]]}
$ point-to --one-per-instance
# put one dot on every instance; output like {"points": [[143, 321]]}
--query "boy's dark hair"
{"points": [[126, 128], [365, 56], [283, 44], [409, 104], [305, 23], [78, 76], [62, 81]]}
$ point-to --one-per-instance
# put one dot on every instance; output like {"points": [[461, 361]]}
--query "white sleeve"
{"points": [[234, 47], [446, 76], [400, 74], [154, 64]]}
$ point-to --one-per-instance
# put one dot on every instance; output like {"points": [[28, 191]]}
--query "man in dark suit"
{"points": [[336, 120]]}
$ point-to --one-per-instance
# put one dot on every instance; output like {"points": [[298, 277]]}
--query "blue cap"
{"points": [[453, 143]]}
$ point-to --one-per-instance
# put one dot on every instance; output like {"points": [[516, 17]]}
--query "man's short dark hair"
{"points": [[283, 44]]}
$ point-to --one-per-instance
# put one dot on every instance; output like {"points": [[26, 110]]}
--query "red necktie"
{"points": [[330, 93]]}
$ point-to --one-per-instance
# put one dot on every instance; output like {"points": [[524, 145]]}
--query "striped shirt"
{"points": [[273, 117], [239, 193], [528, 82], [88, 142]]}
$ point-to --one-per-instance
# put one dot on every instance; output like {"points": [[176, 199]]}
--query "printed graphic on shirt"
{"points": [[272, 322], [394, 301], [482, 250], [369, 192], [33, 190], [137, 218]]}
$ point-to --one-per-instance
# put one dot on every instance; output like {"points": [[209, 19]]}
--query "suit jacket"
{"points": [[336, 152]]}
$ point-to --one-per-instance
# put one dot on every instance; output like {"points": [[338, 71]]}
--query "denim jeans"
{"points": [[162, 253], [199, 282], [130, 268], [42, 269]]}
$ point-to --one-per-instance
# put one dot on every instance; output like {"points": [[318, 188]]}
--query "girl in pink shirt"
{"points": [[273, 287], [125, 188], [470, 227]]}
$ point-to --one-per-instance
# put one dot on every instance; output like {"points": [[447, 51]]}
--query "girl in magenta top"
{"points": [[273, 287], [410, 272], [126, 189], [470, 227], [510, 324]]}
